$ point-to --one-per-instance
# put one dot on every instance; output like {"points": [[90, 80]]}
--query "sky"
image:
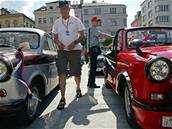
{"points": [[28, 6]]}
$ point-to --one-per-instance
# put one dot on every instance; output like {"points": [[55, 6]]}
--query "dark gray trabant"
{"points": [[28, 71]]}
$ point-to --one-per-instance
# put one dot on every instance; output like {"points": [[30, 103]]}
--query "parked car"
{"points": [[139, 68], [100, 63], [28, 71]]}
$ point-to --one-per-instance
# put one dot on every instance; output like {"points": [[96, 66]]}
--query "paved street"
{"points": [[97, 109]]}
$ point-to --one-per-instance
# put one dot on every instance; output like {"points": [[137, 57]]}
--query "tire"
{"points": [[29, 113], [129, 113]]}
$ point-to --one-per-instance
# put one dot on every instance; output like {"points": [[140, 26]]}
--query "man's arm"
{"points": [[79, 40], [56, 41]]}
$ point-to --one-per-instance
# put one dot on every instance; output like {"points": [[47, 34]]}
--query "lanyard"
{"points": [[66, 26]]}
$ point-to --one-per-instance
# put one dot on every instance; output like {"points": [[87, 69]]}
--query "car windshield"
{"points": [[26, 40], [149, 37]]}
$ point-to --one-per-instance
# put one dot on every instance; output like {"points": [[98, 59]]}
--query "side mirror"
{"points": [[138, 43]]}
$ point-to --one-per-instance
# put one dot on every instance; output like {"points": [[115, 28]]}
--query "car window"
{"points": [[149, 37], [51, 44], [119, 44], [45, 45], [26, 40]]}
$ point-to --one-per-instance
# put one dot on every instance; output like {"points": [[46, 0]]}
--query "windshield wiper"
{"points": [[6, 45]]}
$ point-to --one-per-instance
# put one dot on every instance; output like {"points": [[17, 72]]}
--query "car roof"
{"points": [[147, 27], [40, 32]]}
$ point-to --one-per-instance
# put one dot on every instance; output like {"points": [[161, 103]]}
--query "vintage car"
{"points": [[28, 71], [139, 68], [100, 63]]}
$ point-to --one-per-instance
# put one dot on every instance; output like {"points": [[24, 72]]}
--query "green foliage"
{"points": [[107, 41]]}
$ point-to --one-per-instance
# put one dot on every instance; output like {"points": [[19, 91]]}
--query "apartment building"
{"points": [[156, 12], [12, 18], [137, 20], [113, 16]]}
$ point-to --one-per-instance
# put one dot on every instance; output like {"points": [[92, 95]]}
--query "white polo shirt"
{"points": [[68, 31]]}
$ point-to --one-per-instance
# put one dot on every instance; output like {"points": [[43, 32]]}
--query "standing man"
{"points": [[68, 33], [93, 45]]}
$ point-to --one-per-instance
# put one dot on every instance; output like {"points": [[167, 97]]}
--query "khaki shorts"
{"points": [[69, 59]]}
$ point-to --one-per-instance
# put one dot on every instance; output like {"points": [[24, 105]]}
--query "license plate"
{"points": [[166, 121]]}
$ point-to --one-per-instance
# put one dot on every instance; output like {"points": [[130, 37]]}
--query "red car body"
{"points": [[131, 73]]}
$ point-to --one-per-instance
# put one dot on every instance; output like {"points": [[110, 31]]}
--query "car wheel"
{"points": [[128, 109], [30, 111]]}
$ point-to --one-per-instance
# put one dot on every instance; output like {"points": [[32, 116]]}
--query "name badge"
{"points": [[67, 33]]}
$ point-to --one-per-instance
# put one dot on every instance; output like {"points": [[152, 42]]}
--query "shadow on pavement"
{"points": [[115, 103], [77, 112], [11, 122]]}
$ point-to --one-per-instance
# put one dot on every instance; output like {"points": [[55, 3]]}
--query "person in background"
{"points": [[93, 42], [68, 33]]}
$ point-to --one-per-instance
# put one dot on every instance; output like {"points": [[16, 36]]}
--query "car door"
{"points": [[50, 55], [111, 58]]}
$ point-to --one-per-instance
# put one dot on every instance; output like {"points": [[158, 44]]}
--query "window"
{"points": [[149, 4], [51, 20], [86, 23], [144, 18], [7, 23], [163, 8], [39, 20], [27, 25], [86, 11], [15, 23], [97, 11], [51, 7], [144, 9], [114, 23], [51, 44], [124, 10], [125, 22], [46, 46], [112, 10], [150, 14], [162, 19], [45, 20]]}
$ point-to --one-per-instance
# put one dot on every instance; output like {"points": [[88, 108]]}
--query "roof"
{"points": [[41, 32], [53, 2], [101, 4], [43, 8]]}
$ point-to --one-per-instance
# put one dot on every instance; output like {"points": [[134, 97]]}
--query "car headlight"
{"points": [[3, 70], [158, 69]]}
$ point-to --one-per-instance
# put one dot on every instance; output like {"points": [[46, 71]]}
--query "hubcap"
{"points": [[127, 102], [33, 103]]}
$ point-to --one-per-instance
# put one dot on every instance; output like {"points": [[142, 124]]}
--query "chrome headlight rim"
{"points": [[8, 65], [151, 62]]}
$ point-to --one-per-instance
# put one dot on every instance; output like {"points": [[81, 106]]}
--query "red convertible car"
{"points": [[139, 68]]}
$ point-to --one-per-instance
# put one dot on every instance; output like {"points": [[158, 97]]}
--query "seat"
{"points": [[24, 45]]}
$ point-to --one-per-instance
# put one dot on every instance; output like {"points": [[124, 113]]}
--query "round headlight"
{"points": [[158, 69], [3, 70]]}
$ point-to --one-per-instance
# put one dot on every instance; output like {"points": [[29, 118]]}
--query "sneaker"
{"points": [[61, 105], [78, 94]]}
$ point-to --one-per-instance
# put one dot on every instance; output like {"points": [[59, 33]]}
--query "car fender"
{"points": [[123, 77]]}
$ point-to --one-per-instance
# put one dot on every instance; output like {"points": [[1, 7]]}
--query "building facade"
{"points": [[113, 16], [137, 20], [12, 18], [46, 15], [156, 12]]}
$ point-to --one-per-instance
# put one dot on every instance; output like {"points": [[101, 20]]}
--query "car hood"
{"points": [[163, 51]]}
